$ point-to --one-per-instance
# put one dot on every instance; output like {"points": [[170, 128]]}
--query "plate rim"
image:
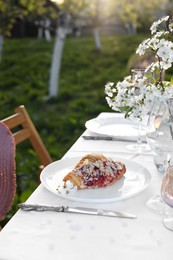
{"points": [[130, 122], [77, 158]]}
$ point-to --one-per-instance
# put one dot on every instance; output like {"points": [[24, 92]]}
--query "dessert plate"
{"points": [[135, 180], [116, 126]]}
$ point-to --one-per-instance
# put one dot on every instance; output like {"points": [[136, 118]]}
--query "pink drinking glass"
{"points": [[167, 195]]}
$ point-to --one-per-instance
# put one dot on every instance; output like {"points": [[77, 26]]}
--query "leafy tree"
{"points": [[9, 11], [95, 14], [65, 11], [169, 7], [134, 13], [41, 12], [44, 10]]}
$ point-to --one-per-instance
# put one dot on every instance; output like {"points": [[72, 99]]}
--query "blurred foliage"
{"points": [[8, 13], [139, 14], [24, 75]]}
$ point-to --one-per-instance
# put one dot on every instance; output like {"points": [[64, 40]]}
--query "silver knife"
{"points": [[79, 210], [106, 138]]}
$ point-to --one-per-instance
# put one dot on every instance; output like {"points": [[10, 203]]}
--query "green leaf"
{"points": [[171, 80]]}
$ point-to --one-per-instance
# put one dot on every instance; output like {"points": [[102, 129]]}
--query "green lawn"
{"points": [[24, 77]]}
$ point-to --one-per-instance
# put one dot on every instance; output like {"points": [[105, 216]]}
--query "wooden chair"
{"points": [[14, 130], [28, 131]]}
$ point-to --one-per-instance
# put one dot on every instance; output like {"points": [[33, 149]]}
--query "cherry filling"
{"points": [[99, 173]]}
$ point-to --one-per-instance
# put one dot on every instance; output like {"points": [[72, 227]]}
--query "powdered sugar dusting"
{"points": [[66, 187], [98, 174]]}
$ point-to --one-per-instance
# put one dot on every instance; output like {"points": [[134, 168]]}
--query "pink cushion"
{"points": [[7, 169]]}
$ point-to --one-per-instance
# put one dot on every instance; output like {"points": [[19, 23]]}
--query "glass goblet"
{"points": [[167, 195], [159, 132], [160, 138], [139, 146]]}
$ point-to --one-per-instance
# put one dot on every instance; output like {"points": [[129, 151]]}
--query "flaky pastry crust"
{"points": [[94, 171]]}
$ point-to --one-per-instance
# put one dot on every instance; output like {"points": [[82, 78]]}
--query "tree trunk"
{"points": [[56, 61], [1, 46], [97, 38], [44, 28], [40, 29], [131, 29], [47, 30]]}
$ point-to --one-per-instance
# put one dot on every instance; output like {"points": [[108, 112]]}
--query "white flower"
{"points": [[153, 42], [155, 26], [143, 47], [165, 65], [163, 53], [162, 43], [134, 96]]}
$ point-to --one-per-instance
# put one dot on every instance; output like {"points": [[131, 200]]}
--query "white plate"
{"points": [[115, 126], [136, 179]]}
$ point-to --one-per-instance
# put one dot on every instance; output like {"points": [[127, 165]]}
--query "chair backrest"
{"points": [[28, 131], [7, 169]]}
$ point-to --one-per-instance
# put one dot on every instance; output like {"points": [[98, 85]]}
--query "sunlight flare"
{"points": [[58, 1]]}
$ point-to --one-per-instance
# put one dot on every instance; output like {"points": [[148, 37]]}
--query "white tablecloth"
{"points": [[50, 235]]}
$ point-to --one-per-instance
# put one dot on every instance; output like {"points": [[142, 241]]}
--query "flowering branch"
{"points": [[122, 96]]}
